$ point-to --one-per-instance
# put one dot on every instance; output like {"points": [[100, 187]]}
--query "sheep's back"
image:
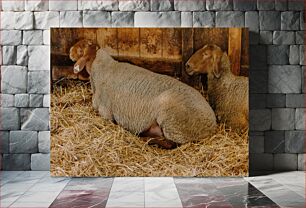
{"points": [[136, 94]]}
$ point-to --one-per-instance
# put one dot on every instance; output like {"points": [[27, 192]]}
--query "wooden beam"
{"points": [[234, 49]]}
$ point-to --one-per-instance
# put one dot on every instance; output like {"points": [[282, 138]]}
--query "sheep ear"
{"points": [[225, 62], [79, 65], [216, 66]]}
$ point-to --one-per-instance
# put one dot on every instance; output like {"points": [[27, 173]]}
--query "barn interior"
{"points": [[85, 144]]}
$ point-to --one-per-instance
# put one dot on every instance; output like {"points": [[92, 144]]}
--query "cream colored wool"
{"points": [[137, 98]]}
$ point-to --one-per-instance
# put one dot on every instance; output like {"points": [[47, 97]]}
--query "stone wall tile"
{"points": [[24, 20], [37, 5], [290, 20], [22, 100], [13, 5], [46, 101], [122, 19], [285, 79], [36, 100], [39, 58], [105, 5], [294, 54], [274, 141], [257, 101], [283, 118], [244, 5], [11, 37], [44, 141], [16, 162], [10, 119], [33, 37], [162, 5], [39, 82], [9, 55], [258, 82], [45, 20], [261, 161], [278, 54], [296, 5], [300, 119], [283, 37], [256, 144], [285, 162], [265, 5], [295, 100], [40, 162], [229, 19], [195, 5], [269, 20], [6, 20], [301, 162], [71, 19], [203, 19], [13, 79], [22, 55], [281, 5], [157, 19], [186, 19], [6, 100], [46, 37], [23, 142], [260, 120], [63, 5], [302, 56], [134, 5], [266, 37], [216, 5], [299, 37], [35, 119], [96, 19], [276, 100], [295, 141], [4, 141]]}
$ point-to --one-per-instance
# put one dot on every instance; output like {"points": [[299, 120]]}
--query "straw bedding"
{"points": [[85, 144]]}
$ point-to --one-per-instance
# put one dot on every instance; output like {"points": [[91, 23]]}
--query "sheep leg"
{"points": [[154, 135], [106, 113]]}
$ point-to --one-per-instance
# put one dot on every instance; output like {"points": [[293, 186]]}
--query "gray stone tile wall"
{"points": [[277, 127]]}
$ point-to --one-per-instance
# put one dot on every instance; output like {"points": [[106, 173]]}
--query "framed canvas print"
{"points": [[149, 102]]}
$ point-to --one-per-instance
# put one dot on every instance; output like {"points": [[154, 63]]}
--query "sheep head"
{"points": [[209, 60], [83, 53]]}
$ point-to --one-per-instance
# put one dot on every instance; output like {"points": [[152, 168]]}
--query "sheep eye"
{"points": [[80, 52]]}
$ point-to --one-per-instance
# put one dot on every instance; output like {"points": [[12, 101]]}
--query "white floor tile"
{"points": [[161, 192], [125, 200], [30, 204], [6, 202], [19, 187], [128, 184], [36, 199], [277, 192]]}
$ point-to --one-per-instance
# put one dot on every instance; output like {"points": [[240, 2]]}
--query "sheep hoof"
{"points": [[161, 142]]}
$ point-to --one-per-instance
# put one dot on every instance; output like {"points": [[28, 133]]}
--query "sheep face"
{"points": [[83, 53], [207, 60]]}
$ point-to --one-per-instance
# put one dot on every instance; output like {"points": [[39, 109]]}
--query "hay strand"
{"points": [[85, 144]]}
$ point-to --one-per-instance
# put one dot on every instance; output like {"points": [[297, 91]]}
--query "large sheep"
{"points": [[228, 94], [144, 102]]}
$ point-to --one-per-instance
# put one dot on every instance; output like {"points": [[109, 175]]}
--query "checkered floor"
{"points": [[38, 189]]}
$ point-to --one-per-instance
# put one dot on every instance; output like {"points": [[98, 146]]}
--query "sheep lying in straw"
{"points": [[146, 103], [228, 94]]}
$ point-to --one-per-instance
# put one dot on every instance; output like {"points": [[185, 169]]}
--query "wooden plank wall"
{"points": [[162, 50]]}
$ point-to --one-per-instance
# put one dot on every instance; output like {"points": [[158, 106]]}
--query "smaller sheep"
{"points": [[228, 94], [143, 102]]}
